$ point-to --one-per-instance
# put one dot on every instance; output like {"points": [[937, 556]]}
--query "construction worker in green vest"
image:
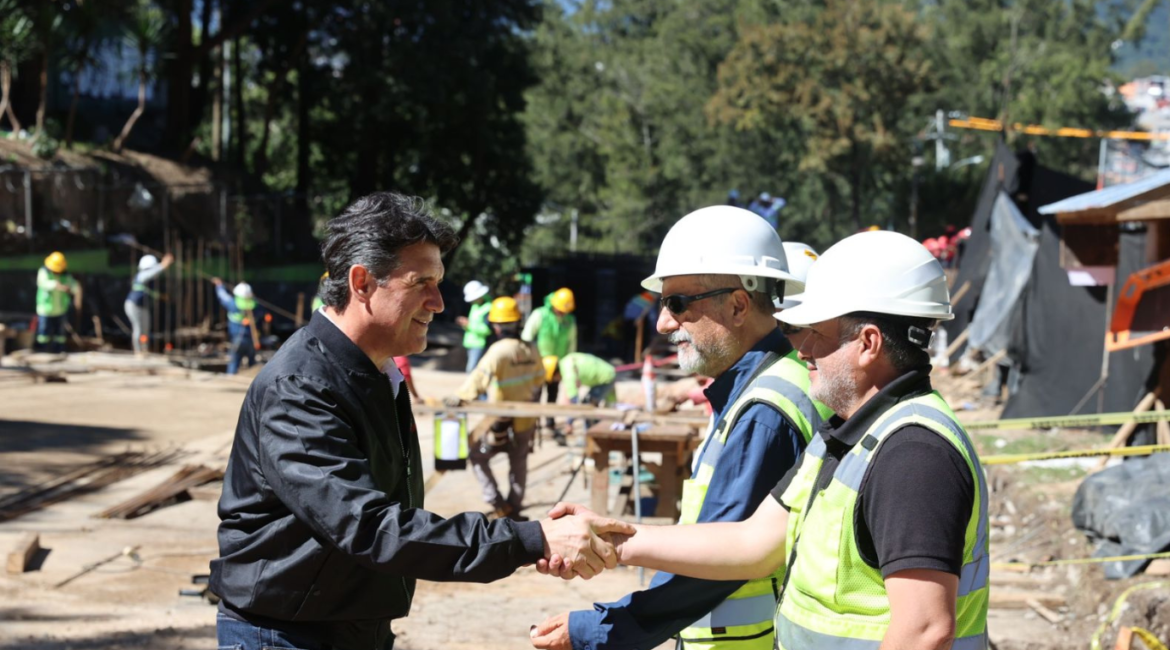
{"points": [[719, 271], [883, 525], [56, 290], [475, 324], [319, 302], [553, 328]]}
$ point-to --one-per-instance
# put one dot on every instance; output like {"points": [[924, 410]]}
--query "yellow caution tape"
{"points": [[1115, 613], [1148, 638], [1008, 459], [984, 124], [1081, 560], [1071, 421]]}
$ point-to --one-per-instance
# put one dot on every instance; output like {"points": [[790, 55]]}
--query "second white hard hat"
{"points": [[723, 240], [147, 262], [800, 259], [880, 272], [474, 290], [243, 290]]}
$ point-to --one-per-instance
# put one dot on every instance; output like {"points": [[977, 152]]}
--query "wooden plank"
{"points": [[1044, 612], [188, 477], [1147, 211], [1002, 599], [22, 552], [1124, 639], [693, 417], [1158, 568], [1122, 436]]}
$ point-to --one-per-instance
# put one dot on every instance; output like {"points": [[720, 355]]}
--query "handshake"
{"points": [[580, 543]]}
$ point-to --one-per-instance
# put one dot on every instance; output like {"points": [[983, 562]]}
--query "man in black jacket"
{"points": [[322, 531]]}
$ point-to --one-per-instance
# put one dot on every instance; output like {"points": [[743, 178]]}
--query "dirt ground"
{"points": [[132, 601]]}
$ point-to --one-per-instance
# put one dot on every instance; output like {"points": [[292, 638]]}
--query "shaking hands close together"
{"points": [[578, 543]]}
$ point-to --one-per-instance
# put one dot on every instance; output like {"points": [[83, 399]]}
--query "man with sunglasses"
{"points": [[719, 271]]}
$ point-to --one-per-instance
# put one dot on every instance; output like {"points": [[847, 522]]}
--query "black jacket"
{"points": [[322, 530]]}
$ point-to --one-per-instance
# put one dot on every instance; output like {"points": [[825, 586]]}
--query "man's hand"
{"points": [[552, 633], [579, 542], [451, 401], [216, 281], [461, 321]]}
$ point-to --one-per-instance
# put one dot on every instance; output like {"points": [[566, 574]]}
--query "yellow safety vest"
{"points": [[833, 599], [744, 620]]}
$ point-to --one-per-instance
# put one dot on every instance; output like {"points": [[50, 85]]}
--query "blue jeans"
{"points": [[473, 357], [234, 634], [50, 333], [241, 347]]}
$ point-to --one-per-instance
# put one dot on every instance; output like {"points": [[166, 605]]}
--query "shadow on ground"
{"points": [[23, 436], [198, 638]]}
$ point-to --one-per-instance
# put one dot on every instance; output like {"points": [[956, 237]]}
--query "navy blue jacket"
{"points": [[760, 449]]}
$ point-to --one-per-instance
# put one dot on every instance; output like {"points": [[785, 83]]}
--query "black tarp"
{"points": [[1059, 330]]}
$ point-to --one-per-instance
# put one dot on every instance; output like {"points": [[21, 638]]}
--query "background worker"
{"points": [[554, 330], [322, 527], [890, 547], [56, 290], [719, 271], [240, 305], [800, 259], [478, 329], [137, 306], [581, 370], [403, 365], [510, 370], [641, 308], [318, 302]]}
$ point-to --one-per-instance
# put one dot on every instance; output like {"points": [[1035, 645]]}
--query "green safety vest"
{"points": [[317, 303], [53, 302], [744, 620], [477, 328], [243, 305], [833, 599], [552, 339], [445, 426]]}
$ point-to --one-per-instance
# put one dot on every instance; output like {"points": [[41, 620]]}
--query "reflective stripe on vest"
{"points": [[744, 620], [820, 610]]}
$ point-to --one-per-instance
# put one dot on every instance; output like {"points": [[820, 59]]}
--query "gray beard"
{"points": [[837, 392], [703, 360]]}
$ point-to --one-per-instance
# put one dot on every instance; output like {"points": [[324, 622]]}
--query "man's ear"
{"points": [[871, 345], [361, 283], [741, 306]]}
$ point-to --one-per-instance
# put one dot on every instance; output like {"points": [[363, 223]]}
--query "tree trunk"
{"points": [[44, 99], [240, 132], [260, 160], [217, 106], [73, 109], [204, 61], [304, 138], [180, 73], [121, 139], [5, 90]]}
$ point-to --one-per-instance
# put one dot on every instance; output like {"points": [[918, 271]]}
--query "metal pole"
{"points": [[28, 228]]}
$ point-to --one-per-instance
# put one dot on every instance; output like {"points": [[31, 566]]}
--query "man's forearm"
{"points": [[714, 551]]}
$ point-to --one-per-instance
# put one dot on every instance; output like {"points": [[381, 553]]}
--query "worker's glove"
{"points": [[452, 401]]}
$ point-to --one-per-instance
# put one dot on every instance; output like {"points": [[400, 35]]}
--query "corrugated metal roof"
{"points": [[1109, 196]]}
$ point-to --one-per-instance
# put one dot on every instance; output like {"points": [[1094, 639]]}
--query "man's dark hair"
{"points": [[904, 353], [370, 232]]}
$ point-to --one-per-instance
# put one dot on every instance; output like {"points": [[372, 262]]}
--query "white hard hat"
{"points": [[474, 290], [877, 271], [724, 240], [243, 290], [800, 259], [147, 262]]}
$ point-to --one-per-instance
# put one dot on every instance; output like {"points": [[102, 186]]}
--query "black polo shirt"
{"points": [[915, 499]]}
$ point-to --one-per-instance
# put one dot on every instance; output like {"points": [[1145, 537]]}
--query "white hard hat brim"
{"points": [[807, 313], [791, 284]]}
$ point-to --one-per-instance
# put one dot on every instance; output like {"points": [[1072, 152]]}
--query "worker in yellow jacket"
{"points": [[510, 370]]}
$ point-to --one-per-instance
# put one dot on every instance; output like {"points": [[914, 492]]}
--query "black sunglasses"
{"points": [[677, 304]]}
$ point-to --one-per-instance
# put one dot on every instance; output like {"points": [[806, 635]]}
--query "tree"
{"points": [[82, 35], [845, 80], [47, 22], [16, 46], [145, 28]]}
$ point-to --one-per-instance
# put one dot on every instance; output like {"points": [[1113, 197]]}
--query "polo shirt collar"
{"points": [[847, 433]]}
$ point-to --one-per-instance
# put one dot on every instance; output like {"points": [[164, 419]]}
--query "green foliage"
{"points": [[16, 28]]}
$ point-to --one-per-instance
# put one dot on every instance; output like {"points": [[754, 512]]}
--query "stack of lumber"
{"points": [[172, 489], [83, 480]]}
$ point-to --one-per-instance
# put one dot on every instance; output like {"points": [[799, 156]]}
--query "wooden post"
{"points": [[958, 295], [1122, 436], [959, 340], [641, 327], [1162, 426], [22, 552], [300, 320]]}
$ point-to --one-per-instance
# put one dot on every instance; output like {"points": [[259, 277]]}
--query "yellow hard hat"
{"points": [[504, 310], [550, 367], [563, 300], [55, 262]]}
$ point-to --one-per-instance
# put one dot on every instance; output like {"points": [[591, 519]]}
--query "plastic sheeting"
{"points": [[1013, 248], [1126, 508]]}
